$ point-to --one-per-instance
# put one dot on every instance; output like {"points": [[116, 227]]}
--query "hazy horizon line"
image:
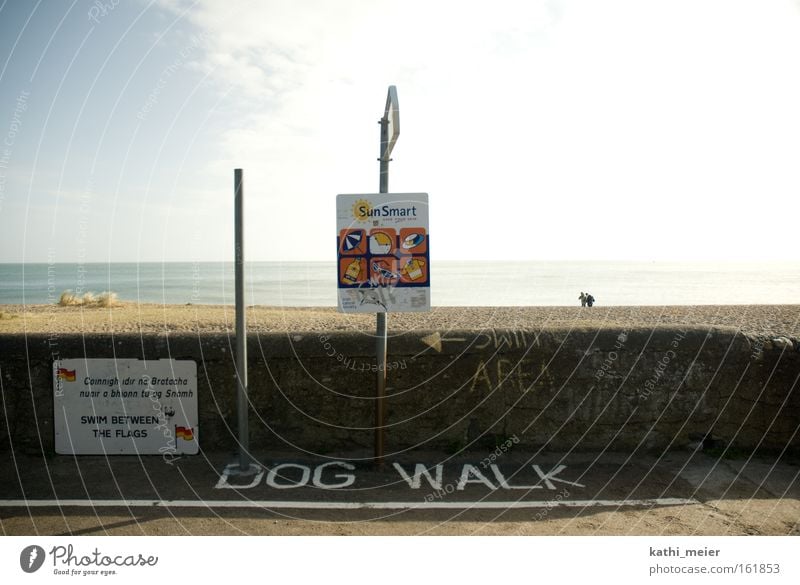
{"points": [[332, 261]]}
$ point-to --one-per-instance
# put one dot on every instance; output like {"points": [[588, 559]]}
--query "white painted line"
{"points": [[300, 505]]}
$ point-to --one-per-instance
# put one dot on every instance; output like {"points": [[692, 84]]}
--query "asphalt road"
{"points": [[426, 493]]}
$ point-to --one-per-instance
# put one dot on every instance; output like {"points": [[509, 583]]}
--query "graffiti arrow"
{"points": [[434, 340]]}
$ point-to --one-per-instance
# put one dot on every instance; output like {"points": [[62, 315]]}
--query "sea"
{"points": [[313, 284]]}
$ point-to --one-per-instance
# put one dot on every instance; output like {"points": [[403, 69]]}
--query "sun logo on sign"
{"points": [[362, 209]]}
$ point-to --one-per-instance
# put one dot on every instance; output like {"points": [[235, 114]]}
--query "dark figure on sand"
{"points": [[589, 300]]}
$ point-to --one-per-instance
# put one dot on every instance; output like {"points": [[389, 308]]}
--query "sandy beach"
{"points": [[130, 317]]}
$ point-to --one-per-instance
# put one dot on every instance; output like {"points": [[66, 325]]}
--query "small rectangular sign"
{"points": [[383, 257], [125, 407]]}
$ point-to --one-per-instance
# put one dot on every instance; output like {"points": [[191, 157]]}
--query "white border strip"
{"points": [[300, 505]]}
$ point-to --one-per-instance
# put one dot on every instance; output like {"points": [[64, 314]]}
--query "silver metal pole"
{"points": [[241, 325], [381, 335]]}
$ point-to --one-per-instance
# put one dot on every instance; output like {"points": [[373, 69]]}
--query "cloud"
{"points": [[577, 117]]}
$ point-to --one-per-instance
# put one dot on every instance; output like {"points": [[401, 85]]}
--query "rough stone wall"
{"points": [[583, 390]]}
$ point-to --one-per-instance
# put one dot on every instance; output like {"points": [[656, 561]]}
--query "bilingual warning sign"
{"points": [[383, 257], [125, 407]]}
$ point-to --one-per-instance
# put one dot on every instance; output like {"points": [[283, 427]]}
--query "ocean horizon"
{"points": [[311, 284]]}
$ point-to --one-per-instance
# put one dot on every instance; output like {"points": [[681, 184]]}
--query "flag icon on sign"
{"points": [[65, 374], [184, 433]]}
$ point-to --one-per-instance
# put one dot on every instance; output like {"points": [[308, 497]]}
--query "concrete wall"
{"points": [[557, 389]]}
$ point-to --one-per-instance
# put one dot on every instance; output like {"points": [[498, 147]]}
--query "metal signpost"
{"points": [[241, 325], [391, 118], [383, 258]]}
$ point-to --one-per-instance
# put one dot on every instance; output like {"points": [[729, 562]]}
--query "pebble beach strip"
{"points": [[761, 321]]}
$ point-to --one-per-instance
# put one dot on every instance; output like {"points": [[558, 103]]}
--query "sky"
{"points": [[565, 130]]}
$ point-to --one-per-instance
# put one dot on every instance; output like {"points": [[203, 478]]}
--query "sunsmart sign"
{"points": [[383, 258], [125, 407]]}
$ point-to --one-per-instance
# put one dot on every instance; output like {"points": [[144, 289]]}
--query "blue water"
{"points": [[452, 283]]}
